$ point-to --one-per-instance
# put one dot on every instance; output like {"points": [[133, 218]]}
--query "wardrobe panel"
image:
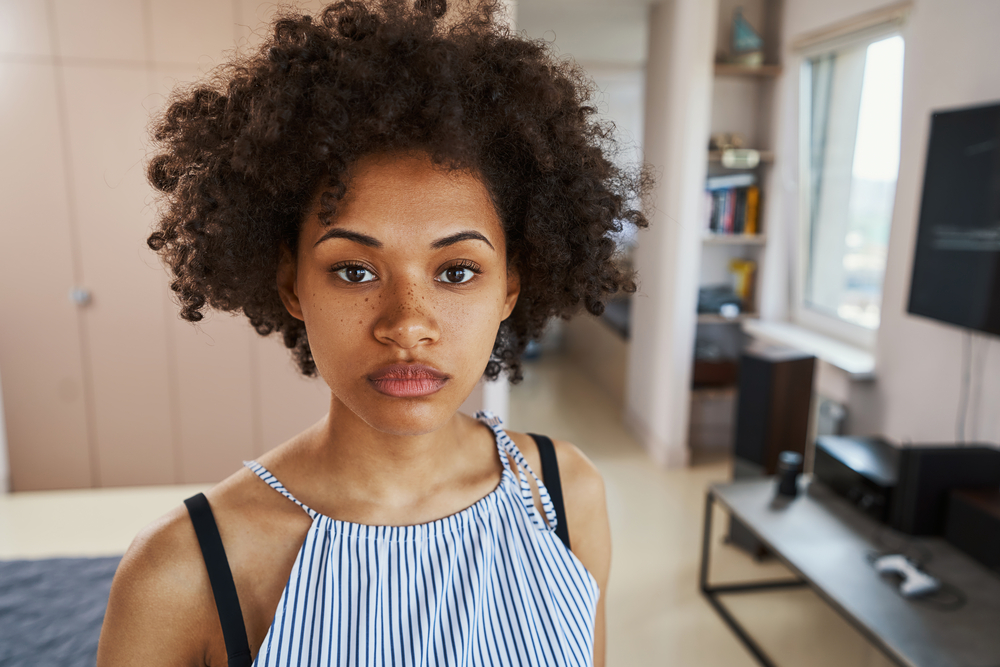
{"points": [[24, 28], [40, 355], [109, 29], [191, 31], [214, 396], [125, 323]]}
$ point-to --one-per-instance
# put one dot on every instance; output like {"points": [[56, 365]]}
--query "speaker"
{"points": [[772, 409], [973, 524], [927, 474], [772, 416]]}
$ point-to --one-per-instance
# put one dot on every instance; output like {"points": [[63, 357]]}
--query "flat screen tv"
{"points": [[956, 268]]}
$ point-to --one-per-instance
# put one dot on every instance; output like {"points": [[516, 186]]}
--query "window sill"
{"points": [[859, 364]]}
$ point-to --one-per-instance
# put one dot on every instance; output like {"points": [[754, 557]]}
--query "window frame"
{"points": [[801, 313]]}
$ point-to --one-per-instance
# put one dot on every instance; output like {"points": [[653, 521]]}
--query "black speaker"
{"points": [[973, 524], [772, 416], [772, 409], [927, 475]]}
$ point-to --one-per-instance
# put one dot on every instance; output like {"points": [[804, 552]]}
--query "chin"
{"points": [[405, 416]]}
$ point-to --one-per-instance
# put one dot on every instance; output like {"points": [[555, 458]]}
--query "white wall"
{"points": [[678, 109], [950, 62]]}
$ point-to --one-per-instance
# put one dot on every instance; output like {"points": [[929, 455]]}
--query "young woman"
{"points": [[407, 194]]}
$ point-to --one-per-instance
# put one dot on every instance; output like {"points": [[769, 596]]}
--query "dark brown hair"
{"points": [[240, 155]]}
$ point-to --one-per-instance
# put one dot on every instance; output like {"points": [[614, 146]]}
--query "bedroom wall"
{"points": [[950, 62], [116, 390]]}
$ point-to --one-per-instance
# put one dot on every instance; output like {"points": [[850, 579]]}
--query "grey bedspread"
{"points": [[51, 610]]}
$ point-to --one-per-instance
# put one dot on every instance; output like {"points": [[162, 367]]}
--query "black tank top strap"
{"points": [[550, 477], [223, 588]]}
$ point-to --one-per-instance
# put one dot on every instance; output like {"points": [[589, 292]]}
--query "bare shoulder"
{"points": [[583, 500], [160, 599]]}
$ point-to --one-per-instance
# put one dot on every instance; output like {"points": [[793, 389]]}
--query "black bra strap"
{"points": [[550, 477], [233, 629]]}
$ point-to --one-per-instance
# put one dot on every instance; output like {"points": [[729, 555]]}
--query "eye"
{"points": [[458, 274], [353, 273]]}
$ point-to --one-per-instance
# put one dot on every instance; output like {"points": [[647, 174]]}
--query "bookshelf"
{"points": [[728, 69], [734, 239], [766, 157], [742, 104]]}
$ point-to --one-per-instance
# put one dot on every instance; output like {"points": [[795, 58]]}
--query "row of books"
{"points": [[733, 204]]}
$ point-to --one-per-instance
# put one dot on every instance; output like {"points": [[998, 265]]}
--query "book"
{"points": [[753, 207], [740, 209], [733, 210], [730, 181], [730, 211]]}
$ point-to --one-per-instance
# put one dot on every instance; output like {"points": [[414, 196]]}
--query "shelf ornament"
{"points": [[747, 45]]}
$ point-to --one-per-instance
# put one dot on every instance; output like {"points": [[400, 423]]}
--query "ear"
{"points": [[513, 290], [288, 283]]}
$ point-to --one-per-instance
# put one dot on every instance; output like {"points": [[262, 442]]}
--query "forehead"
{"points": [[407, 194]]}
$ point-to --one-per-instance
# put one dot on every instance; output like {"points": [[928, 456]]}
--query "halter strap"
{"points": [[506, 446], [273, 482]]}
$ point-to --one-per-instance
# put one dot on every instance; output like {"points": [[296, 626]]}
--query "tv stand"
{"points": [[825, 542]]}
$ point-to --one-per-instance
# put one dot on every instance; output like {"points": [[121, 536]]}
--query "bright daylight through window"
{"points": [[854, 98]]}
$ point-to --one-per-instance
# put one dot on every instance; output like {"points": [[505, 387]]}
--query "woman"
{"points": [[407, 194]]}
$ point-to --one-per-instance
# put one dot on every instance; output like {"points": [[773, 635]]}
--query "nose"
{"points": [[406, 318]]}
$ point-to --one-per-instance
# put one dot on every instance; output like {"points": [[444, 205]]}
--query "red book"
{"points": [[730, 210]]}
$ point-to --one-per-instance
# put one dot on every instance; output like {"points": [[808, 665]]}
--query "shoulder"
{"points": [[583, 499], [162, 610], [160, 599]]}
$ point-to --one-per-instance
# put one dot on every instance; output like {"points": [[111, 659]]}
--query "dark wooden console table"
{"points": [[826, 543]]}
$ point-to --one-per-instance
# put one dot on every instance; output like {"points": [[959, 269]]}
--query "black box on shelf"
{"points": [[864, 470], [973, 524], [904, 486]]}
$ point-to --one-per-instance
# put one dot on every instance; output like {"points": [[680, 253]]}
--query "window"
{"points": [[851, 106]]}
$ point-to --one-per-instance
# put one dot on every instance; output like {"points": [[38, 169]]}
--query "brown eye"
{"points": [[355, 273], [457, 274]]}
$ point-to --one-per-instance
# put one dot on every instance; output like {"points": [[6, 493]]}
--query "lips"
{"points": [[407, 380]]}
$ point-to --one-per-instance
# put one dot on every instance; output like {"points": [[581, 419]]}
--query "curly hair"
{"points": [[239, 156]]}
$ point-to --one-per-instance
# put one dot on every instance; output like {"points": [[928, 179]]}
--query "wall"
{"points": [[950, 62], [118, 391], [677, 118]]}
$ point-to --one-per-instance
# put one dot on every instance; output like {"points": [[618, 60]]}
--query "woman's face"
{"points": [[403, 293]]}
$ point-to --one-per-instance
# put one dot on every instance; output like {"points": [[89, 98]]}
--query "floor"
{"points": [[656, 616]]}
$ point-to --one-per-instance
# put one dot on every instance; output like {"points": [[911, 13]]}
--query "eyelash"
{"points": [[461, 264]]}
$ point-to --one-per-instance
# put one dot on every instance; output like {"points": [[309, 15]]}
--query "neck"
{"points": [[393, 469]]}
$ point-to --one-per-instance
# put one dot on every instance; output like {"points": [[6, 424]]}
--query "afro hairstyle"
{"points": [[239, 156]]}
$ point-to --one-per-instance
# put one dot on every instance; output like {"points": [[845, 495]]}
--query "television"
{"points": [[956, 266]]}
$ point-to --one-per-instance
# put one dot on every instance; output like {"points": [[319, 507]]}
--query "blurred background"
{"points": [[788, 138]]}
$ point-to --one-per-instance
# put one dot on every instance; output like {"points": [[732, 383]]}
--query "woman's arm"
{"points": [[587, 520], [158, 613]]}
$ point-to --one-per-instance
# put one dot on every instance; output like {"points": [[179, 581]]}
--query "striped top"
{"points": [[491, 584]]}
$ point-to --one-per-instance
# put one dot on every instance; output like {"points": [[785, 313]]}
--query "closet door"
{"points": [[41, 363], [125, 323]]}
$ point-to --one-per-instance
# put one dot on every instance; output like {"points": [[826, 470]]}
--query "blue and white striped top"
{"points": [[489, 585]]}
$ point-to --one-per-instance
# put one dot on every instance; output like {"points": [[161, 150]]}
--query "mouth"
{"points": [[407, 380]]}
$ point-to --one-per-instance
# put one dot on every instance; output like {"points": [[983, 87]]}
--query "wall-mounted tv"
{"points": [[956, 267]]}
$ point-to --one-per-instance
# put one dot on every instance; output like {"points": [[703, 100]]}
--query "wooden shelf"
{"points": [[728, 69], [713, 318], [734, 239], [766, 157], [709, 392]]}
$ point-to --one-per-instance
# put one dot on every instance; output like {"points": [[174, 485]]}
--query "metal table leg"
{"points": [[712, 592]]}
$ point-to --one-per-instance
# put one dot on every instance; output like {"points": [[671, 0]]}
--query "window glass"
{"points": [[854, 97]]}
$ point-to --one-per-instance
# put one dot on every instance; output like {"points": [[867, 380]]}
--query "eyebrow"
{"points": [[372, 242]]}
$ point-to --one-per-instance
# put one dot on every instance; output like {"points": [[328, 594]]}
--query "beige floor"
{"points": [[655, 614]]}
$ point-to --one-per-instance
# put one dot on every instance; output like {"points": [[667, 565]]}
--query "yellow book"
{"points": [[753, 203], [743, 273]]}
